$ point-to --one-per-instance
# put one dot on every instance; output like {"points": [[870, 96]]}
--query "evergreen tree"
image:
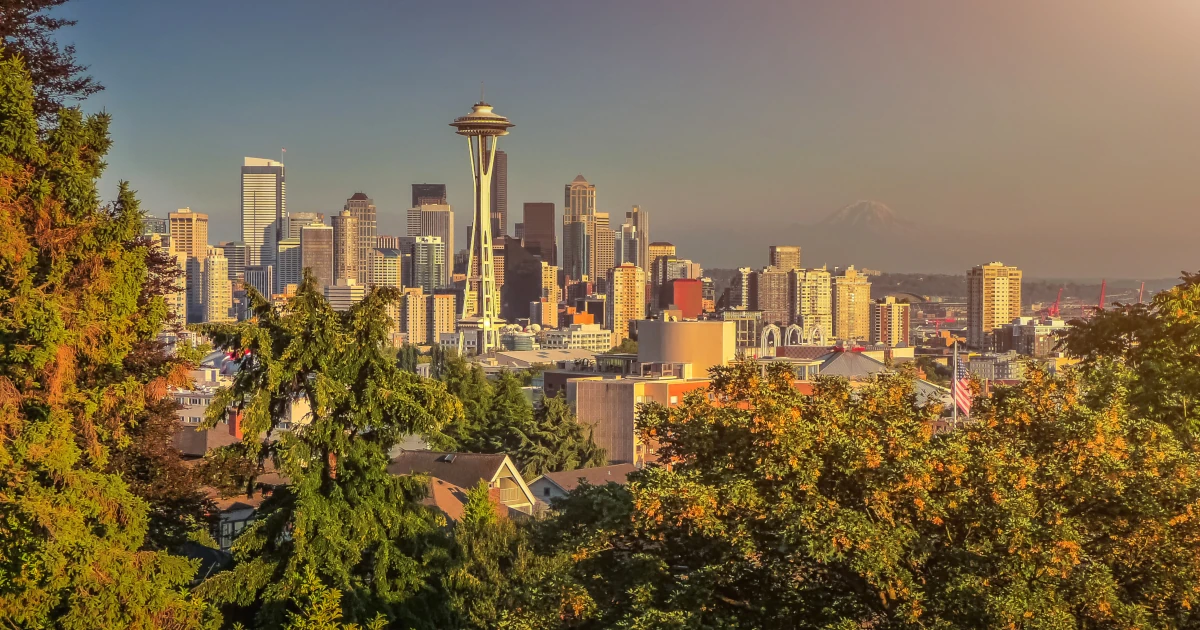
{"points": [[27, 32], [558, 442], [74, 312], [408, 357], [342, 516]]}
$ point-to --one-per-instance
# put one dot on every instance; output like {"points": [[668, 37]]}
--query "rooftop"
{"points": [[571, 479]]}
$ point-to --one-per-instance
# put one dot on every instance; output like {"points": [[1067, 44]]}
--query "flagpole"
{"points": [[954, 384]]}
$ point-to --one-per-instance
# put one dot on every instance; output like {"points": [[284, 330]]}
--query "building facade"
{"points": [[345, 247], [362, 208], [786, 257], [589, 337], [771, 293], [851, 306], [235, 253], [604, 238], [579, 217], [993, 298], [291, 267], [264, 208], [316, 252], [812, 302], [539, 232], [626, 299], [500, 195], [189, 232], [388, 270], [639, 220], [890, 321], [428, 194], [218, 290], [429, 263], [435, 220]]}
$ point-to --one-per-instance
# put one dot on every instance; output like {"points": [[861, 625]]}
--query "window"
{"points": [[546, 491], [674, 400]]}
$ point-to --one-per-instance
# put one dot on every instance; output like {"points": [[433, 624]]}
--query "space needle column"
{"points": [[478, 314]]}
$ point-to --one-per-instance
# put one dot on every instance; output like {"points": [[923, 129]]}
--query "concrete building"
{"points": [[189, 232], [605, 246], [291, 266], [741, 293], [657, 250], [1030, 336], [993, 298], [435, 220], [264, 208], [626, 299], [155, 225], [684, 295], [345, 247], [440, 314], [413, 321], [786, 257], [851, 306], [544, 313], [771, 295], [812, 302], [316, 252], [429, 263], [500, 195], [590, 337], [345, 293], [627, 246], [362, 208], [748, 327], [262, 278], [388, 270], [890, 322], [610, 405], [579, 218], [702, 344], [297, 220], [550, 289], [217, 296], [540, 231]]}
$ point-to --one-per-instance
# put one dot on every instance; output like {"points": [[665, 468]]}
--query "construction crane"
{"points": [[1141, 292], [1103, 288], [1052, 311]]}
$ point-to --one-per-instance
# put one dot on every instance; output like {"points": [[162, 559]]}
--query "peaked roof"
{"points": [[850, 365], [578, 179], [598, 476], [358, 196], [464, 470]]}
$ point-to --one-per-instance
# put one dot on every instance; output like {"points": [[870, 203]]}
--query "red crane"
{"points": [[1103, 288], [1141, 292], [1053, 310]]}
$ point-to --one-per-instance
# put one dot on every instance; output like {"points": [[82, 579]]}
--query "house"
{"points": [[557, 484], [465, 471]]}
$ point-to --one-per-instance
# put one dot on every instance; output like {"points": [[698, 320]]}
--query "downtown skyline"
{"points": [[1055, 120]]}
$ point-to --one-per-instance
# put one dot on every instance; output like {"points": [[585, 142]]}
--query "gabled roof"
{"points": [[850, 365], [598, 476], [358, 196], [464, 470], [579, 178]]}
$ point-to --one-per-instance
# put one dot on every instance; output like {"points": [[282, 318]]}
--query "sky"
{"points": [[1062, 137]]}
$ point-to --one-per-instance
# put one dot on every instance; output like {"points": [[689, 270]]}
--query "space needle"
{"points": [[478, 313]]}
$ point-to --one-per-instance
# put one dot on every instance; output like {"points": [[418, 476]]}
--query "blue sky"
{"points": [[1063, 136]]}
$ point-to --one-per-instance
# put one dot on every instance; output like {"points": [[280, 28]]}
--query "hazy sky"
{"points": [[1065, 134]]}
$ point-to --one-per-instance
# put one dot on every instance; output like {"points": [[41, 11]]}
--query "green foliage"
{"points": [[627, 346], [343, 517], [81, 386], [319, 608], [1058, 508], [408, 357], [27, 30], [498, 418]]}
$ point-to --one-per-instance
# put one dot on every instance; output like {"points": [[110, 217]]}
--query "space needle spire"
{"points": [[478, 313]]}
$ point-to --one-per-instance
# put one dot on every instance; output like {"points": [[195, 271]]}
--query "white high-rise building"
{"points": [[812, 303], [428, 262], [217, 289], [264, 207], [434, 219]]}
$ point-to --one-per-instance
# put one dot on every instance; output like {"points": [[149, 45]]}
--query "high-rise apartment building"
{"points": [[579, 217], [544, 313], [435, 220], [413, 310], [851, 306], [344, 294], [176, 297], [362, 208], [812, 302], [771, 294], [297, 220], [993, 298], [155, 225], [345, 247], [626, 299], [890, 322], [217, 296], [429, 263], [550, 289], [441, 313], [264, 207], [189, 232], [500, 195], [235, 253], [291, 268], [540, 231], [785, 257], [383, 241], [657, 250], [316, 252], [639, 220], [741, 290], [603, 237], [388, 270], [428, 194]]}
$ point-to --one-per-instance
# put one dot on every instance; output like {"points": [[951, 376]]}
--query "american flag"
{"points": [[961, 389]]}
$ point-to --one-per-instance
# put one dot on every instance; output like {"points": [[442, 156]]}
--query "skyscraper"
{"points": [[189, 232], [345, 247], [480, 311], [423, 194], [235, 253], [604, 238], [434, 220], [540, 231], [217, 294], [579, 217], [654, 251], [428, 263], [264, 207], [626, 299], [851, 306], [993, 298], [261, 277], [297, 220], [890, 322], [785, 257], [290, 268], [413, 311], [741, 291], [640, 221], [362, 208], [812, 302], [440, 314], [500, 195], [627, 246], [316, 252], [389, 268]]}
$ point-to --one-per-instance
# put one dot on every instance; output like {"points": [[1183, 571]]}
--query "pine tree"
{"points": [[27, 31], [359, 529], [73, 310]]}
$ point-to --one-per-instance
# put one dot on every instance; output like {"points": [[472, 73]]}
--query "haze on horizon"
{"points": [[1062, 137]]}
